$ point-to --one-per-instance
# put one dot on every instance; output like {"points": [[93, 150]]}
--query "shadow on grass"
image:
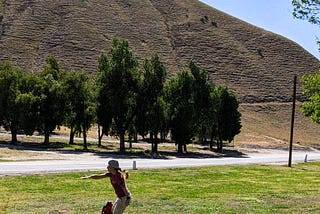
{"points": [[201, 154], [111, 151]]}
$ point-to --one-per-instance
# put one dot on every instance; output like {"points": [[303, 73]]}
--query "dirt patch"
{"points": [[13, 154]]}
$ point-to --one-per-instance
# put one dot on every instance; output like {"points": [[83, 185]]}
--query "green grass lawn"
{"points": [[219, 189]]}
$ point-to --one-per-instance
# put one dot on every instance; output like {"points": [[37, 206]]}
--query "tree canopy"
{"points": [[119, 77], [310, 10], [311, 89], [307, 10], [122, 98], [80, 104], [180, 109], [9, 98], [53, 100], [150, 113]]}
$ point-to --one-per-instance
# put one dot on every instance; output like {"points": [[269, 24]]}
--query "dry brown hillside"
{"points": [[258, 65]]}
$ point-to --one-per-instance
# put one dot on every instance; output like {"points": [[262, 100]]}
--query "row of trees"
{"points": [[30, 102], [122, 99]]}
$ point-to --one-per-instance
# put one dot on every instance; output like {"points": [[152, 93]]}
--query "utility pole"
{"points": [[292, 118]]}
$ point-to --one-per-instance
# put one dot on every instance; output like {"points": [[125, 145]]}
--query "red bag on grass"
{"points": [[107, 209]]}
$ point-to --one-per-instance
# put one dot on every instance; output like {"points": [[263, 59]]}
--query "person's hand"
{"points": [[128, 201]]}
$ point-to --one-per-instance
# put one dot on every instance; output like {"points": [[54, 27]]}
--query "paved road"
{"points": [[99, 163]]}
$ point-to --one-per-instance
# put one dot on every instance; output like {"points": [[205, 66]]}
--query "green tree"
{"points": [[201, 98], [180, 109], [118, 88], [211, 120], [307, 10], [53, 100], [311, 89], [104, 117], [80, 104], [9, 92], [150, 112], [29, 102], [310, 10], [229, 118]]}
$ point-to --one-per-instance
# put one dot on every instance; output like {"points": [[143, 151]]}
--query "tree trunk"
{"points": [[152, 142], [136, 137], [85, 145], [46, 136], [180, 148], [99, 136], [14, 132], [130, 141], [71, 139], [185, 148], [156, 143], [122, 143], [211, 142], [219, 143], [162, 136]]}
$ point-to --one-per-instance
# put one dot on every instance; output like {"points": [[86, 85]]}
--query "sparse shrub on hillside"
{"points": [[260, 52], [214, 24], [204, 19]]}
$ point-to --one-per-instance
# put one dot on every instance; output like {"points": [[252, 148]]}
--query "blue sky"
{"points": [[275, 16]]}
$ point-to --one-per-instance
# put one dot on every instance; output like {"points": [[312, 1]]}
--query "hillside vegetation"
{"points": [[256, 64]]}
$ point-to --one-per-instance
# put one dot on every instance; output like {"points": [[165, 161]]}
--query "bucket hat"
{"points": [[113, 164]]}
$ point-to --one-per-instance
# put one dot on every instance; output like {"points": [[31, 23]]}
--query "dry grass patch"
{"points": [[267, 125]]}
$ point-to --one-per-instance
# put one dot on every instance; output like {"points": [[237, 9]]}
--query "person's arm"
{"points": [[95, 176]]}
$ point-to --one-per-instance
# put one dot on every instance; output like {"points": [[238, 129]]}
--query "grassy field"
{"points": [[227, 189]]}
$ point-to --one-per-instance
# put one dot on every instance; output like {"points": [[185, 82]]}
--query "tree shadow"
{"points": [[109, 151], [204, 153]]}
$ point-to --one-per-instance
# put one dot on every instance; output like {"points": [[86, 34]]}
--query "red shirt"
{"points": [[119, 184]]}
